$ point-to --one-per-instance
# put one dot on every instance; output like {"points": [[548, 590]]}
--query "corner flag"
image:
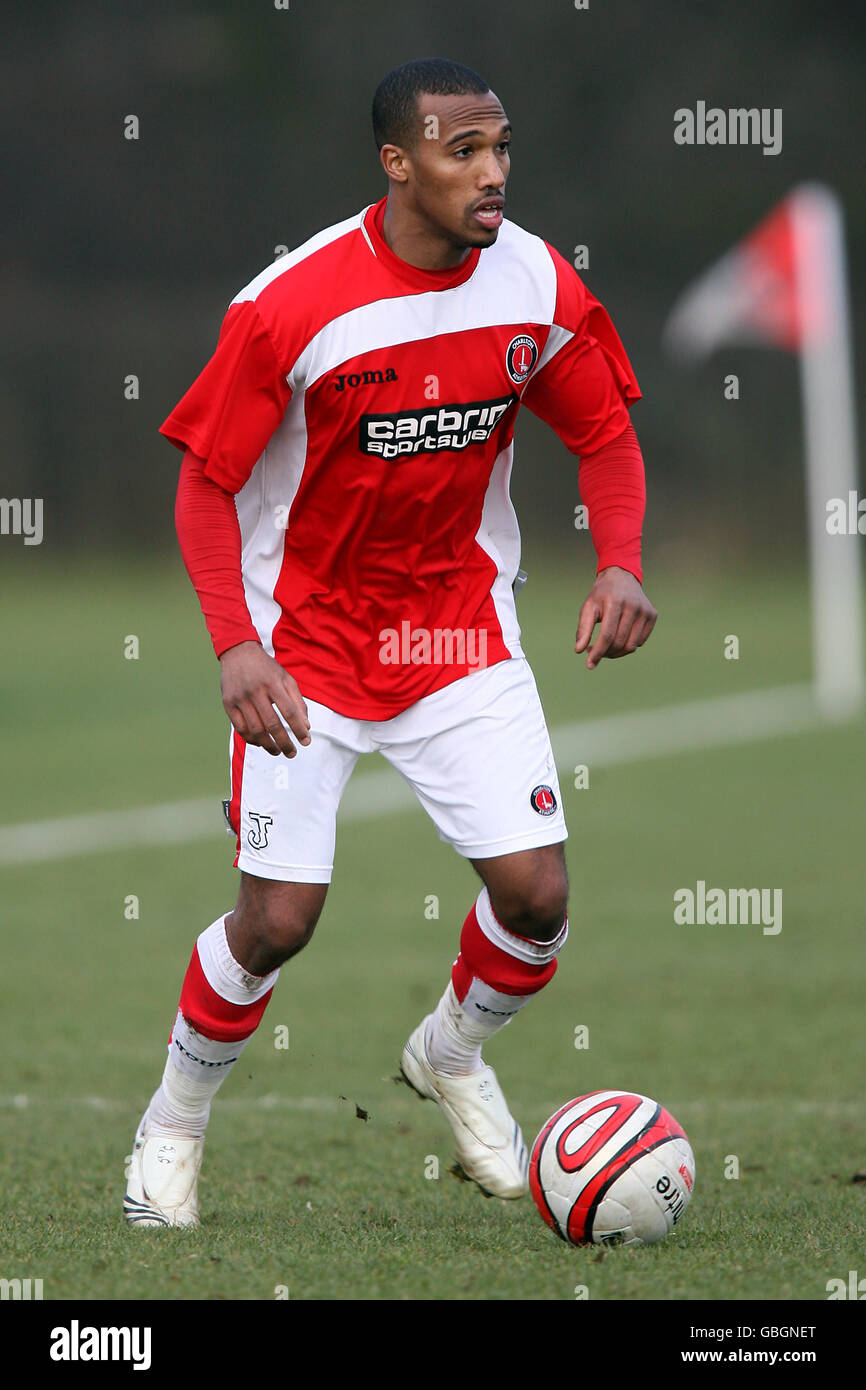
{"points": [[784, 285]]}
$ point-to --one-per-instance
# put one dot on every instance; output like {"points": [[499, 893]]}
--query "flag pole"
{"points": [[829, 431]]}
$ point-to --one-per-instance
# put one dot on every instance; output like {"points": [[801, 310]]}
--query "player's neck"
{"points": [[414, 241]]}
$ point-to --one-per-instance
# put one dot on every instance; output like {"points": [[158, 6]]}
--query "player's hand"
{"points": [[617, 601], [252, 685]]}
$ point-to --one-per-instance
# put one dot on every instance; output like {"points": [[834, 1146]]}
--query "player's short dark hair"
{"points": [[395, 104]]}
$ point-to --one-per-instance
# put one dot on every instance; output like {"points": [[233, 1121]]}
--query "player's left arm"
{"points": [[616, 601], [583, 387], [613, 487]]}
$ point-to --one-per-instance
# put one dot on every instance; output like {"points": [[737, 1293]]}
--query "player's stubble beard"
{"points": [[472, 236], [467, 237]]}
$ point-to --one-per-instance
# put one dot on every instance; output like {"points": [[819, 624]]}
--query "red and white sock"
{"points": [[495, 974], [220, 1008]]}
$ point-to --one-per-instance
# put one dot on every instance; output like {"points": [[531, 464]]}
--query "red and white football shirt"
{"points": [[362, 412]]}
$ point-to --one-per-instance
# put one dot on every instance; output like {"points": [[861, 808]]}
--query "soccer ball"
{"points": [[611, 1168]]}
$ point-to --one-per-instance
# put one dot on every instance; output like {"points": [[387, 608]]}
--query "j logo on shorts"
{"points": [[258, 837]]}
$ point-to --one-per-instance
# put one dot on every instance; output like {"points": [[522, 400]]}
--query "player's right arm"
{"points": [[254, 686], [224, 423]]}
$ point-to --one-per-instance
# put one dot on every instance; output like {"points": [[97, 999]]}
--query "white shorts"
{"points": [[476, 753]]}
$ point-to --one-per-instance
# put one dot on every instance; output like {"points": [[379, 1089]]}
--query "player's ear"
{"points": [[394, 163]]}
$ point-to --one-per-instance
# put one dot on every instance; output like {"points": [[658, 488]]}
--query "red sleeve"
{"points": [[231, 410], [585, 383], [210, 542], [613, 488]]}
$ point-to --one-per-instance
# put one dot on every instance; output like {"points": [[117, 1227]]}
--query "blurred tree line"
{"points": [[119, 256]]}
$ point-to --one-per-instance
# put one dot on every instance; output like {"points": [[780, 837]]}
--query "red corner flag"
{"points": [[784, 285], [774, 288]]}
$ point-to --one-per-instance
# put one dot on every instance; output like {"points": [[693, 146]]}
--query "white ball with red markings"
{"points": [[611, 1168]]}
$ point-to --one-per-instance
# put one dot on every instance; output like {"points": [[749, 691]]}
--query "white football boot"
{"points": [[162, 1176], [490, 1147]]}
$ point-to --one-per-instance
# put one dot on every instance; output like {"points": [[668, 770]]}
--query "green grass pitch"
{"points": [[754, 1042]]}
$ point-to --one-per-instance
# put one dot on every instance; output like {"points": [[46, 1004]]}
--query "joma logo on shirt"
{"points": [[431, 431], [365, 379]]}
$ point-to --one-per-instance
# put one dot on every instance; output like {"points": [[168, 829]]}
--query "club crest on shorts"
{"points": [[543, 800], [521, 357]]}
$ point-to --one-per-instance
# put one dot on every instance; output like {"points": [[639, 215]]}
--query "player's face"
{"points": [[457, 168]]}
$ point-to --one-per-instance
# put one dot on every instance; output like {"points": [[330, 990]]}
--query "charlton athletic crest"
{"points": [[521, 357], [543, 801]]}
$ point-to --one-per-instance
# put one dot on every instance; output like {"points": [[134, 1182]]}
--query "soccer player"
{"points": [[343, 511]]}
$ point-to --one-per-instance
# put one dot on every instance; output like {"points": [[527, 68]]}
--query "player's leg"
{"points": [[478, 755], [272, 922], [228, 983], [509, 944], [497, 972], [528, 890], [230, 978], [285, 820]]}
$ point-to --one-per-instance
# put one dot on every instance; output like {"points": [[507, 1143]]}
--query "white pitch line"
{"points": [[723, 721], [840, 1109], [103, 1103], [718, 722], [174, 823]]}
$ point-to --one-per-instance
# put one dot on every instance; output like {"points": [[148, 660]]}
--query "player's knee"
{"points": [[536, 909], [276, 921], [283, 932]]}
